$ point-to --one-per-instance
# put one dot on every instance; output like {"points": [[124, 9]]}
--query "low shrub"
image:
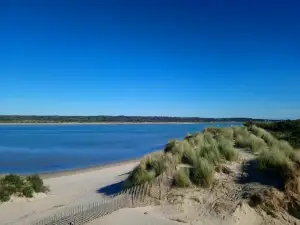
{"points": [[21, 186], [28, 191], [36, 183], [181, 178], [4, 195], [14, 180]]}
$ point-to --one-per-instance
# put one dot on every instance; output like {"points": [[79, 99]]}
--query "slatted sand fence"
{"points": [[149, 193]]}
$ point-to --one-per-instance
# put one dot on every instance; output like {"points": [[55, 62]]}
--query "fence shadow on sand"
{"points": [[149, 193]]}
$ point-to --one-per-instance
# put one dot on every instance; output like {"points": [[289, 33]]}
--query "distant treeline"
{"points": [[114, 119], [288, 130]]}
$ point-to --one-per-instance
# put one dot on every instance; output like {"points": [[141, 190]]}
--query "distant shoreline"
{"points": [[70, 172], [48, 175], [115, 123]]}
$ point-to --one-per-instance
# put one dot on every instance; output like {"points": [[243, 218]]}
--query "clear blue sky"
{"points": [[150, 57]]}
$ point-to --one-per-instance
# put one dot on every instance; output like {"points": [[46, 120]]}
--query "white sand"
{"points": [[134, 216], [66, 191]]}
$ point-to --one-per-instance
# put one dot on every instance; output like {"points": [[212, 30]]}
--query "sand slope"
{"points": [[134, 216]]}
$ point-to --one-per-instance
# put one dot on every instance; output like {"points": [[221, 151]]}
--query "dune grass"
{"points": [[226, 149], [20, 186], [277, 155], [202, 172], [265, 135], [251, 142], [182, 178], [275, 159], [201, 152]]}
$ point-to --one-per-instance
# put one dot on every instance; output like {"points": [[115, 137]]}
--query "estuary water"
{"points": [[26, 149]]}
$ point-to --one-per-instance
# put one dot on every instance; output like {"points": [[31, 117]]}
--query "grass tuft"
{"points": [[181, 178], [202, 173], [226, 149], [275, 159], [138, 176]]}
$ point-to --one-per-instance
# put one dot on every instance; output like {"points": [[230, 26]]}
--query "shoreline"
{"points": [[75, 171], [70, 172], [115, 123]]}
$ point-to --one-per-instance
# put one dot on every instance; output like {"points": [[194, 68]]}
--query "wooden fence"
{"points": [[149, 193]]}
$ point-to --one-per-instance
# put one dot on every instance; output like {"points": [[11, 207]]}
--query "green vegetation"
{"points": [[182, 178], [150, 167], [196, 158], [288, 130], [202, 172], [113, 119], [199, 154], [275, 154], [274, 159], [226, 149], [20, 186], [245, 139]]}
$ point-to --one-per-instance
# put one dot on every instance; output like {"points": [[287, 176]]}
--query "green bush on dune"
{"points": [[37, 183], [21, 186]]}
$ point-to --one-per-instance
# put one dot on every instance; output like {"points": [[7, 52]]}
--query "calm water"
{"points": [[48, 148]]}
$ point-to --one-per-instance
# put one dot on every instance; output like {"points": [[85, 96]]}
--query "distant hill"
{"points": [[115, 119]]}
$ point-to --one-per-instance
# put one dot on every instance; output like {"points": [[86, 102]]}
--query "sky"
{"points": [[213, 58]]}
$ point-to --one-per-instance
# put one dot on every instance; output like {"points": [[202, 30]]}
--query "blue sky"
{"points": [[173, 58]]}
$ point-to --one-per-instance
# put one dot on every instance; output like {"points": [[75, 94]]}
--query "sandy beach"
{"points": [[67, 189]]}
